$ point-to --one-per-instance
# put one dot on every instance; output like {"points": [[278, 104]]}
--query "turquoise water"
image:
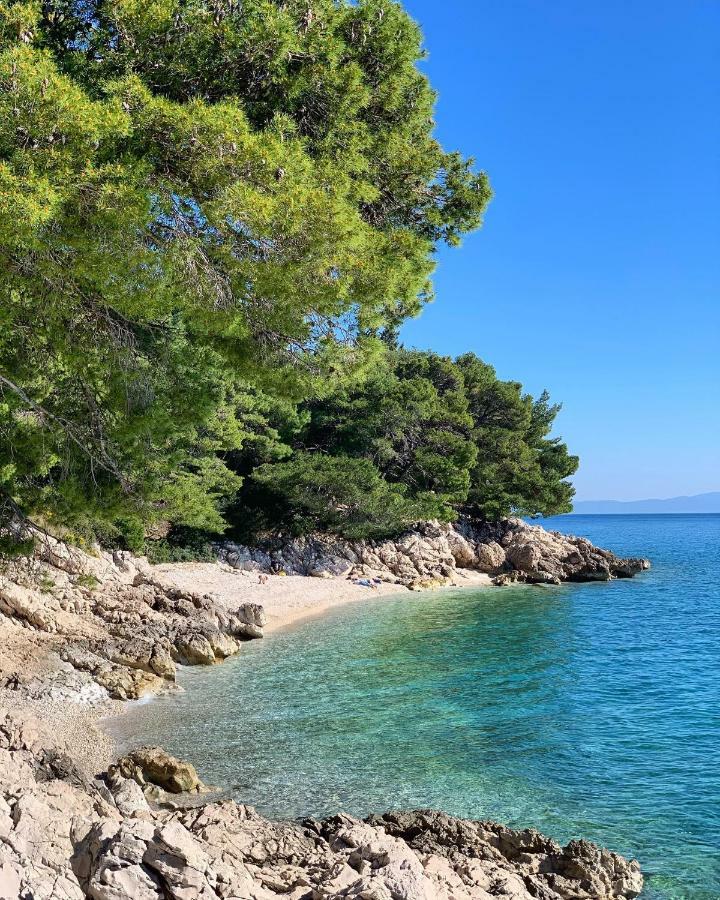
{"points": [[586, 710]]}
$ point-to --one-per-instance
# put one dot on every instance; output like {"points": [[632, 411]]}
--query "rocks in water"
{"points": [[152, 765], [432, 553], [578, 870], [552, 557], [416, 855], [64, 836]]}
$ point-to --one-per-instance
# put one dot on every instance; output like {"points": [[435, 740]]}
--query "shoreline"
{"points": [[289, 599], [310, 604], [84, 635]]}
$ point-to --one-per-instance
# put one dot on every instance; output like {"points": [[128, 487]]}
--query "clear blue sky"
{"points": [[597, 272]]}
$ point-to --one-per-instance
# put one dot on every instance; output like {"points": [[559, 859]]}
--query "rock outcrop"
{"points": [[112, 622], [66, 837], [510, 551]]}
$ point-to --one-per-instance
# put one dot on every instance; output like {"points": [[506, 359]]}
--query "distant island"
{"points": [[698, 503]]}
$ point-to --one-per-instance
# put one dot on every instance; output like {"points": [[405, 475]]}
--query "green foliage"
{"points": [[90, 582], [46, 584], [202, 205], [421, 437], [336, 494], [12, 547], [214, 219], [410, 418], [519, 469], [182, 545]]}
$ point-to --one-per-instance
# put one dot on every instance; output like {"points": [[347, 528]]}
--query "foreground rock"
{"points": [[154, 766], [431, 554], [66, 837]]}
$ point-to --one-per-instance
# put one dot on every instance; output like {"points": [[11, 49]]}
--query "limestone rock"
{"points": [[64, 683], [143, 860], [27, 604], [490, 557], [128, 796], [66, 837], [431, 554], [119, 631], [153, 765], [544, 868]]}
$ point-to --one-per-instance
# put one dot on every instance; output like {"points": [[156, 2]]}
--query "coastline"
{"points": [[287, 601], [81, 635]]}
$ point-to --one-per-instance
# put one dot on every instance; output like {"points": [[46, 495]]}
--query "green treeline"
{"points": [[214, 217], [421, 437]]}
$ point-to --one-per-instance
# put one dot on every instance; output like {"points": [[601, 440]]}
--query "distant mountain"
{"points": [[699, 503]]}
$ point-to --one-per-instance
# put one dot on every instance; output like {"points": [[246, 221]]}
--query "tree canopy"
{"points": [[197, 198], [421, 437], [214, 216]]}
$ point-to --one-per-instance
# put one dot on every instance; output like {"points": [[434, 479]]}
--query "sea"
{"points": [[587, 710]]}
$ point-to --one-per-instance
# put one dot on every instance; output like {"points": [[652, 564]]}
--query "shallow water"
{"points": [[586, 710]]}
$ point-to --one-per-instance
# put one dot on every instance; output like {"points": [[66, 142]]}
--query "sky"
{"points": [[597, 272]]}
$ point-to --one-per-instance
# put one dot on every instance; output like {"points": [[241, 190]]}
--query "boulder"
{"points": [[29, 605], [489, 557], [139, 652], [523, 556], [153, 765]]}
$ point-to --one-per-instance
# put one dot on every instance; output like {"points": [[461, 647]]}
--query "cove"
{"points": [[583, 711]]}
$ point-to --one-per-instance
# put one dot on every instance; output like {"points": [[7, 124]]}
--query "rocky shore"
{"points": [[65, 836], [432, 553], [82, 632]]}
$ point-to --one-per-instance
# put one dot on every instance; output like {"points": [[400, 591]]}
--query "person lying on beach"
{"points": [[367, 582]]}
